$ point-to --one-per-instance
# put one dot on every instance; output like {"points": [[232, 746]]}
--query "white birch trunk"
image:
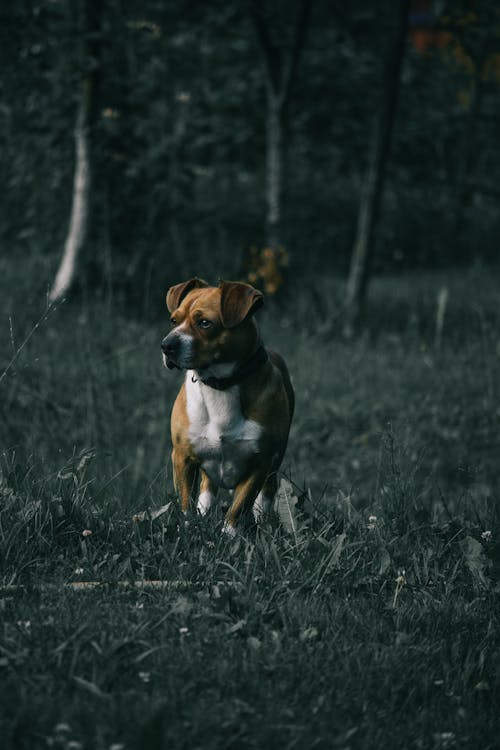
{"points": [[79, 219], [281, 71]]}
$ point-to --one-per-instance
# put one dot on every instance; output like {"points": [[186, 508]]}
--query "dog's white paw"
{"points": [[228, 529], [204, 502], [261, 507]]}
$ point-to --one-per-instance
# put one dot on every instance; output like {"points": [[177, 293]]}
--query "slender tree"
{"points": [[371, 197], [468, 154], [82, 181], [281, 68]]}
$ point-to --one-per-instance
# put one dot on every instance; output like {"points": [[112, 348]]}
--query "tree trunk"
{"points": [[79, 219], [82, 180], [281, 72], [373, 188], [469, 152], [275, 172]]}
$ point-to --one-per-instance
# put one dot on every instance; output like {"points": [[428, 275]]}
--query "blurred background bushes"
{"points": [[178, 137]]}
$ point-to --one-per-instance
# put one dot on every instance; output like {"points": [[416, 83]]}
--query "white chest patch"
{"points": [[224, 441]]}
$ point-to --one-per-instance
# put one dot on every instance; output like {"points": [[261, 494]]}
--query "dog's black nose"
{"points": [[167, 346]]}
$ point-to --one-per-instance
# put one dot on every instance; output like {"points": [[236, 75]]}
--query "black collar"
{"points": [[251, 365]]}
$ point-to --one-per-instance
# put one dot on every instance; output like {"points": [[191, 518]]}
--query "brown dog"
{"points": [[231, 418]]}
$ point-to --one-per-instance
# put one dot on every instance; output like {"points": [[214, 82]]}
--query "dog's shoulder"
{"points": [[278, 362], [267, 396]]}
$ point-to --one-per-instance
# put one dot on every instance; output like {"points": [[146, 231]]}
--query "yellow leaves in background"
{"points": [[266, 268], [491, 68], [145, 25], [457, 53], [110, 114], [459, 56], [463, 98]]}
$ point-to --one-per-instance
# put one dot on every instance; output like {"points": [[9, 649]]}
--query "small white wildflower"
{"points": [[308, 634], [183, 631], [78, 571], [486, 536], [145, 676], [24, 624], [62, 728], [117, 746], [86, 532], [444, 739], [372, 519], [74, 745], [139, 605]]}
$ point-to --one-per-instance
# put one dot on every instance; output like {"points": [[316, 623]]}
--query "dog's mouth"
{"points": [[170, 363]]}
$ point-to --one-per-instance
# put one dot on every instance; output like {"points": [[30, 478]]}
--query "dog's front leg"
{"points": [[185, 475], [244, 496], [264, 500], [208, 493]]}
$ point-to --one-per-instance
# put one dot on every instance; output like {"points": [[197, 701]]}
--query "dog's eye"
{"points": [[204, 323], [173, 321]]}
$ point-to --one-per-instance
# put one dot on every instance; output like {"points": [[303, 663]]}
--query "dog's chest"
{"points": [[223, 439]]}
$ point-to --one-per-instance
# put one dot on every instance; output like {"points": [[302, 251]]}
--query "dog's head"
{"points": [[210, 325]]}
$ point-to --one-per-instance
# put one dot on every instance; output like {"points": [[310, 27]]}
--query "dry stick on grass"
{"points": [[82, 586], [400, 582]]}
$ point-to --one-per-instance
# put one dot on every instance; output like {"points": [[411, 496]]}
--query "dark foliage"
{"points": [[179, 137]]}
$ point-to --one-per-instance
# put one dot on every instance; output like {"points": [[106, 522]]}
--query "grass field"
{"points": [[364, 614]]}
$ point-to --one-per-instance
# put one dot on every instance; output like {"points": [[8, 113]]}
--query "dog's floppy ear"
{"points": [[237, 302], [176, 293]]}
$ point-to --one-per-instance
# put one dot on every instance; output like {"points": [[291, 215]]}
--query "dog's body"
{"points": [[231, 418]]}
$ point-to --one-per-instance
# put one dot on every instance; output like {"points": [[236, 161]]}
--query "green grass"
{"points": [[304, 634]]}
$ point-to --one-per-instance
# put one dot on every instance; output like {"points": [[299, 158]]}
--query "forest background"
{"points": [[177, 103]]}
